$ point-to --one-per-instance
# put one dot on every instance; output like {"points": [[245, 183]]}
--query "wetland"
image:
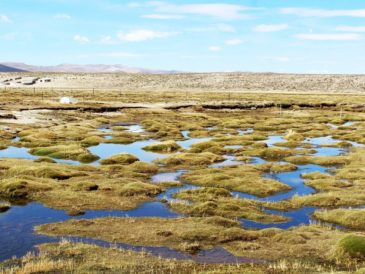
{"points": [[260, 190]]}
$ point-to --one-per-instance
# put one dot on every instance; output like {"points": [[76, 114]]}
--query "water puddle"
{"points": [[244, 132], [273, 140], [17, 153], [107, 150], [230, 160]]}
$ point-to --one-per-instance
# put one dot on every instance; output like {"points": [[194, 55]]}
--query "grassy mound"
{"points": [[69, 152], [163, 147], [122, 159], [352, 246]]}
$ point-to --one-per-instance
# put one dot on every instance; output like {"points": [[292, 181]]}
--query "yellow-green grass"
{"points": [[122, 159], [190, 160], [350, 218], [68, 152], [163, 147], [243, 178], [220, 202], [181, 234], [67, 257], [75, 188]]}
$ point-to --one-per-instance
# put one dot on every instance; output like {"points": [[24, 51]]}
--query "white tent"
{"points": [[68, 100]]}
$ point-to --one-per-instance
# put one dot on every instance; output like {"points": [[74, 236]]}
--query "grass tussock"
{"points": [[67, 257], [121, 159], [163, 147], [69, 152], [191, 160], [350, 218], [243, 178]]}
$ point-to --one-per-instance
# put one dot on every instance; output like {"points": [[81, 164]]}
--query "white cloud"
{"points": [[163, 16], [107, 40], [307, 12], [215, 48], [271, 28], [81, 39], [143, 35], [4, 18], [62, 16], [225, 28], [213, 28], [351, 28], [218, 10], [234, 42], [329, 37]]}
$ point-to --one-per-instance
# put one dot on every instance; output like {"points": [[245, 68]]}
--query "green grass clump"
{"points": [[92, 141], [139, 188], [277, 168], [163, 147], [275, 154], [191, 160], [212, 201], [16, 188], [69, 152], [45, 160], [323, 161], [44, 170], [353, 246], [122, 159], [247, 179], [143, 167]]}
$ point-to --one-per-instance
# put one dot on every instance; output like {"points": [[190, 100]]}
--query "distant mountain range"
{"points": [[4, 68], [97, 68]]}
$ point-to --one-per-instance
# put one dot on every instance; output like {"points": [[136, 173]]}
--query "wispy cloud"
{"points": [[271, 28], [234, 42], [215, 48], [213, 28], [163, 16], [108, 40], [218, 10], [81, 39], [143, 35], [308, 12], [351, 28], [329, 37], [62, 16], [225, 28], [4, 18]]}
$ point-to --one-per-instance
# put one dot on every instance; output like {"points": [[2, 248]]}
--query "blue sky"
{"points": [[305, 36]]}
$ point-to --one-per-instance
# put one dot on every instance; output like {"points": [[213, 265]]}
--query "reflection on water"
{"points": [[106, 150]]}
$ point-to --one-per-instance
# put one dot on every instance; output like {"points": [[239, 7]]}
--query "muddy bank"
{"points": [[212, 106]]}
